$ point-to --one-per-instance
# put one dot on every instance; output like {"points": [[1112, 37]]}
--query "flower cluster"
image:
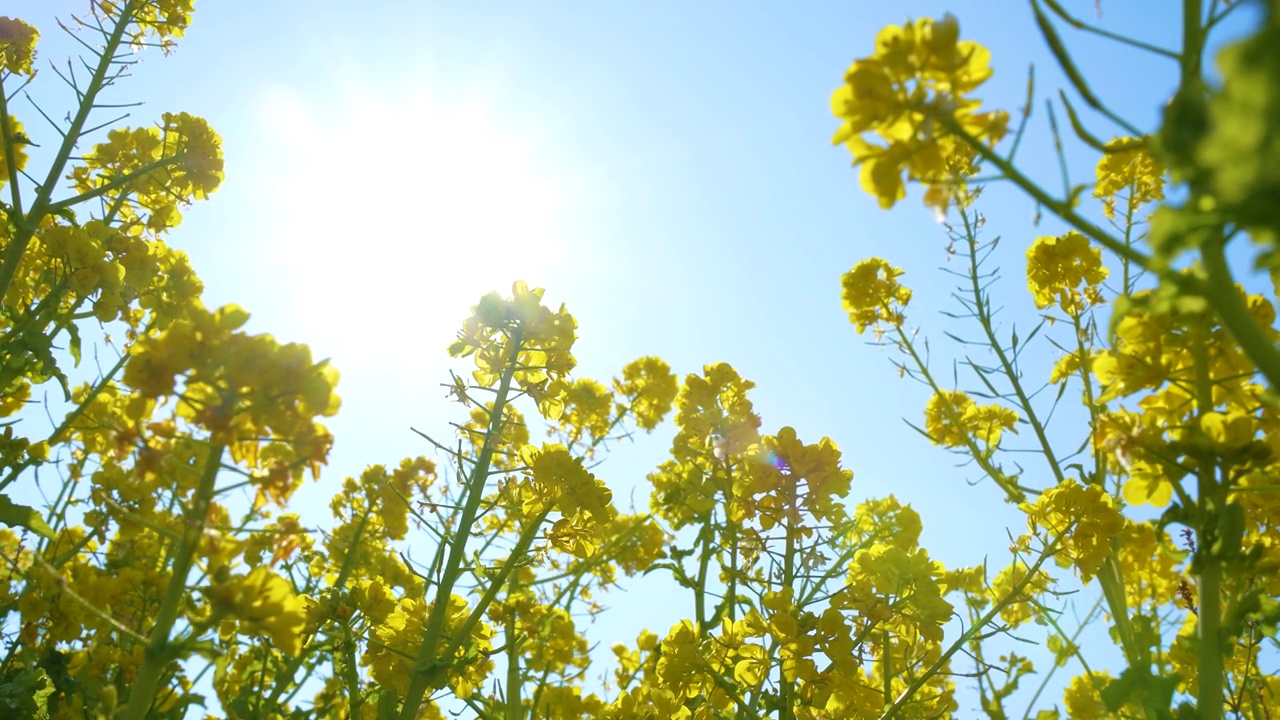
{"points": [[788, 478], [1083, 519], [952, 419], [152, 172], [17, 46], [909, 95], [148, 21], [873, 295], [524, 338], [650, 387], [1058, 265], [1128, 167], [241, 388]]}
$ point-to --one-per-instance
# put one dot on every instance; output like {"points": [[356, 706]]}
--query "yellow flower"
{"points": [[919, 75], [798, 476], [651, 386], [17, 46], [266, 603], [872, 294], [1147, 485], [588, 413], [160, 19], [902, 588], [1056, 266], [563, 480], [1068, 366], [1086, 519], [19, 151], [714, 415], [1021, 607], [952, 417], [1083, 697], [1128, 165], [524, 332], [191, 139]]}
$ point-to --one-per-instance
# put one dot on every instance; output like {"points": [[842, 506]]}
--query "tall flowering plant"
{"points": [[165, 573]]}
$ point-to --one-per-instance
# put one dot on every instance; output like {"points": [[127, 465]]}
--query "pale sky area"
{"points": [[664, 169]]}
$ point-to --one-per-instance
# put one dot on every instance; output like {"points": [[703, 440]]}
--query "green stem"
{"points": [[159, 656], [1209, 663], [786, 689], [350, 672], [515, 707], [10, 155], [700, 592], [518, 554], [1211, 496], [1011, 488], [424, 666], [1219, 288], [1014, 593], [1062, 209], [983, 312]]}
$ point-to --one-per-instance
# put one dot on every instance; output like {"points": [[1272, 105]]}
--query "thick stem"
{"points": [[515, 707], [1220, 290], [158, 657], [1209, 663], [425, 664], [787, 687], [1211, 497], [700, 592]]}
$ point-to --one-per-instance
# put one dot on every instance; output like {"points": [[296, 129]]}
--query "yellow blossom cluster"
{"points": [[17, 47], [1058, 265], [1128, 167], [522, 337], [1082, 519], [148, 21], [650, 387], [151, 172], [401, 633], [917, 83], [788, 479], [873, 295], [261, 601], [952, 419]]}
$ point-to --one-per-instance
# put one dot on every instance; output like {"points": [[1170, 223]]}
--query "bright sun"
{"points": [[400, 212]]}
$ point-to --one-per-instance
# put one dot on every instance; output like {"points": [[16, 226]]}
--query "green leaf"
{"points": [[73, 344], [1137, 685], [15, 515], [388, 705]]}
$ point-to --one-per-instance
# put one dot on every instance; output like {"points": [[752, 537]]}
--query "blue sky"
{"points": [[662, 168]]}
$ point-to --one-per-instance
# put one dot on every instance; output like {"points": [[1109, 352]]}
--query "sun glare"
{"points": [[400, 212]]}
